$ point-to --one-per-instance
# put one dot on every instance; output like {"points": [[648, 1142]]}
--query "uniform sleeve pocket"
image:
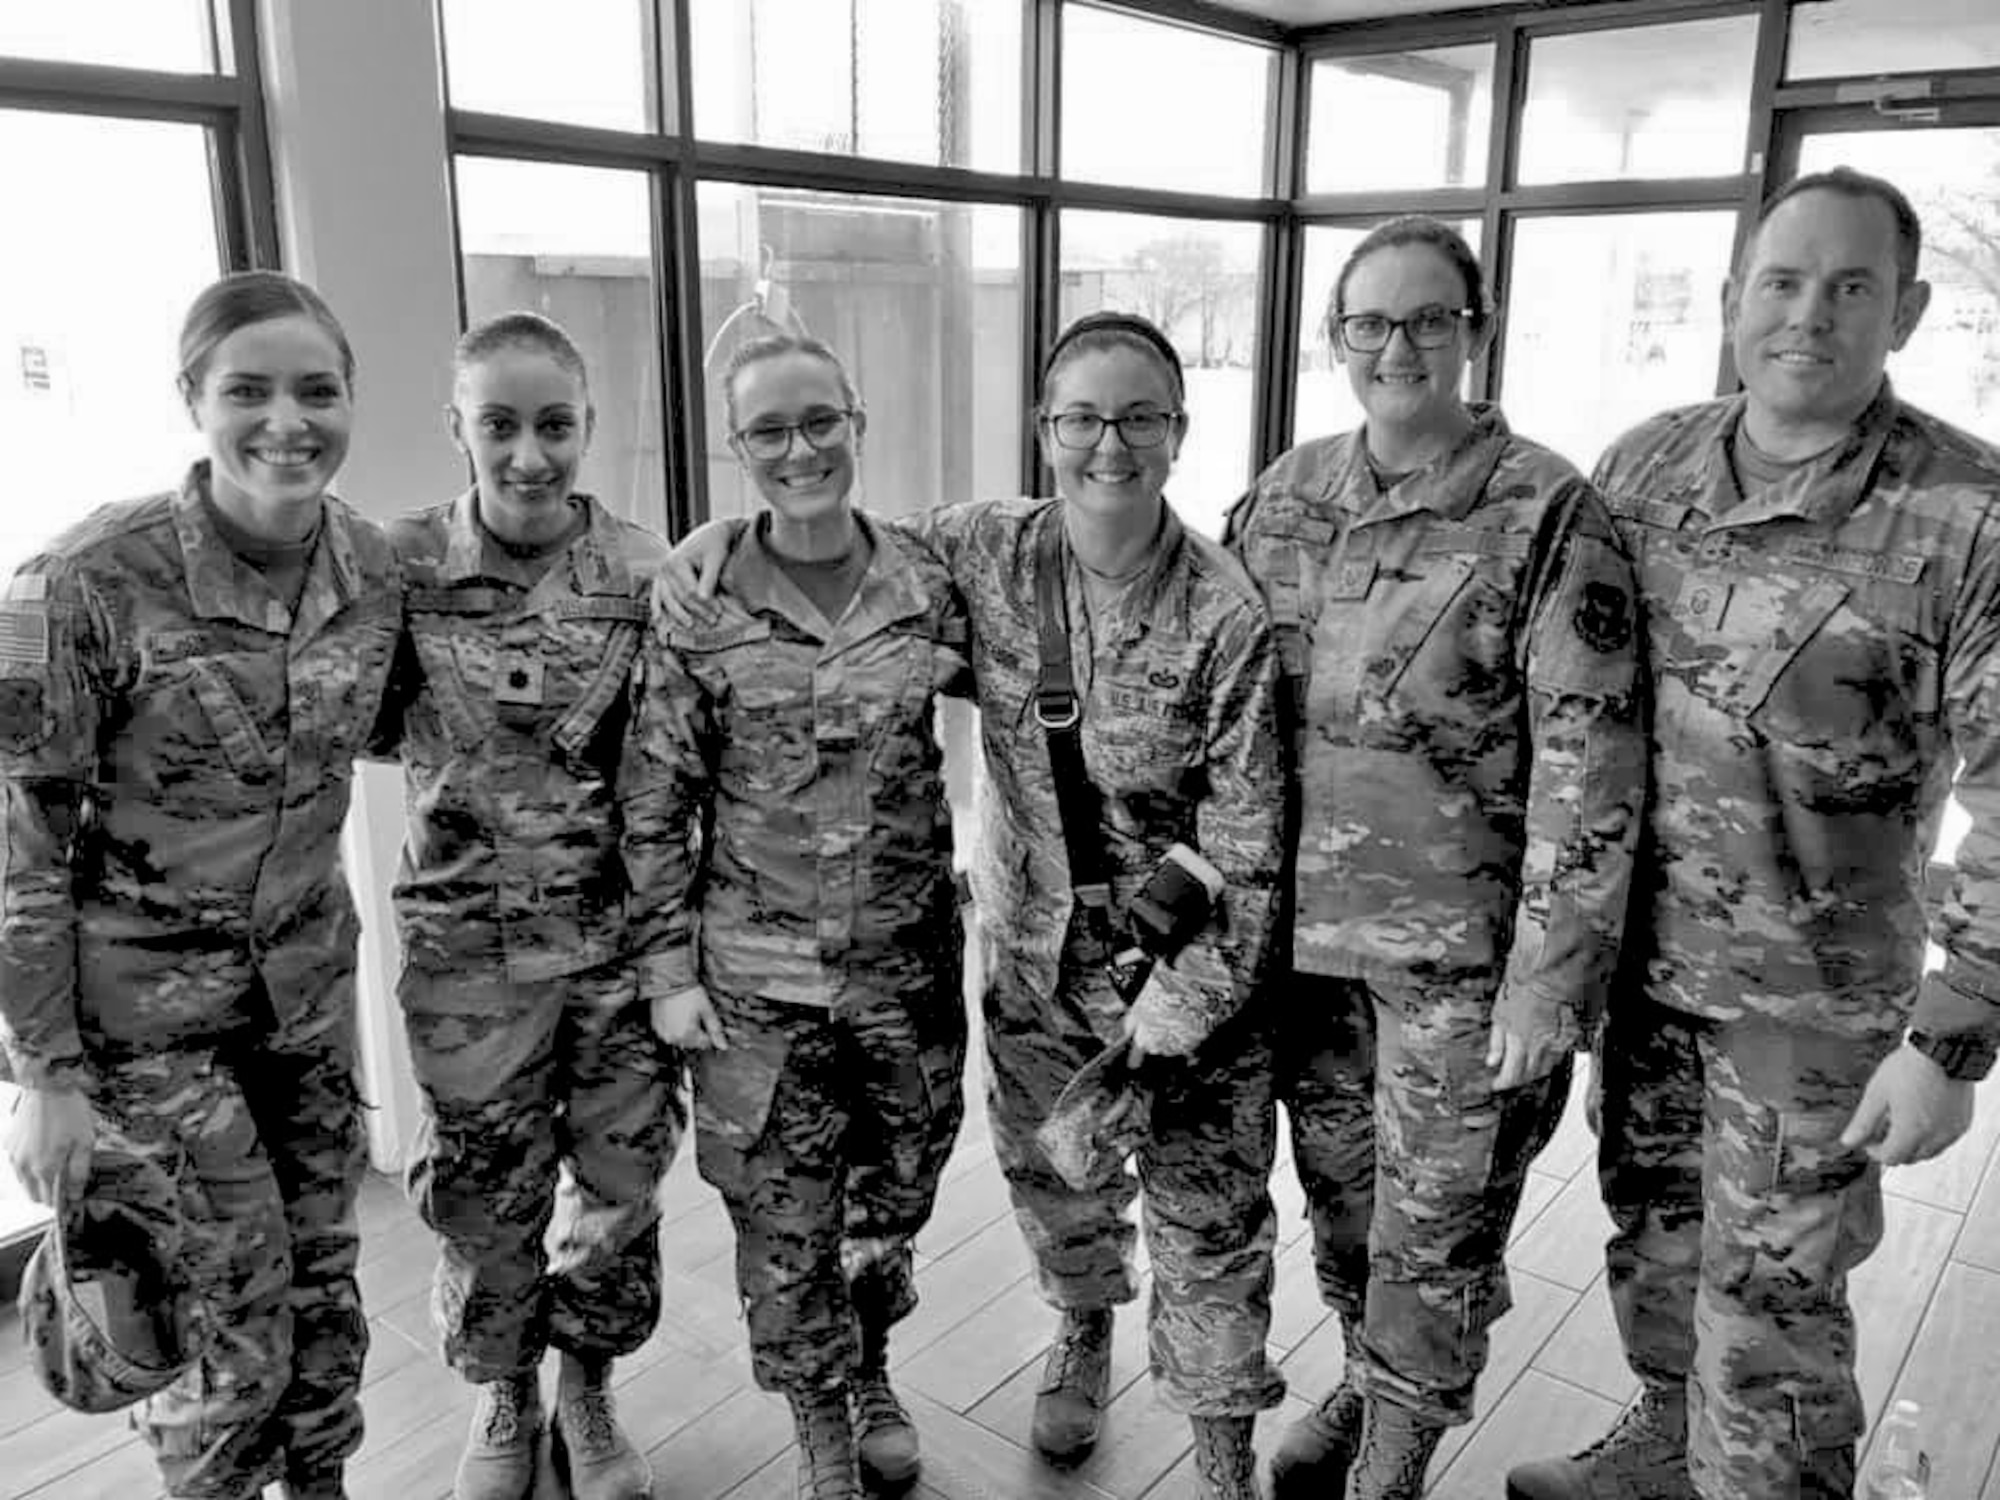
{"points": [[1586, 646]]}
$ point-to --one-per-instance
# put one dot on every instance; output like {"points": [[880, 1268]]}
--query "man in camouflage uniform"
{"points": [[1460, 671], [1820, 569], [828, 955], [179, 712], [1178, 727], [528, 1030]]}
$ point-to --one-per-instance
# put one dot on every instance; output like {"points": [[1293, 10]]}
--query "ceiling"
{"points": [[1320, 12]]}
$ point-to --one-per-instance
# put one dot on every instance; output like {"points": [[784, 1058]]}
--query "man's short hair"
{"points": [[1852, 184]]}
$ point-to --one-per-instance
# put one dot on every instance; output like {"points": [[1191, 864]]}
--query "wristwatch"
{"points": [[1966, 1056]]}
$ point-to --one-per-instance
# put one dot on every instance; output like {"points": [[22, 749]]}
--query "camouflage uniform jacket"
{"points": [[176, 749], [513, 705], [809, 749], [1823, 657], [1460, 657], [1179, 732]]}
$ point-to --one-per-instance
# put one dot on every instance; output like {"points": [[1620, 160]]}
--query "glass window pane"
{"points": [[1147, 104], [575, 244], [1660, 101], [170, 35], [1325, 399], [1198, 281], [922, 300], [1841, 38], [504, 57], [932, 81], [1951, 366], [89, 327], [1610, 319], [1426, 117]]}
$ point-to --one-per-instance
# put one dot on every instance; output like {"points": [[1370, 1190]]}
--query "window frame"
{"points": [[678, 160], [229, 105]]}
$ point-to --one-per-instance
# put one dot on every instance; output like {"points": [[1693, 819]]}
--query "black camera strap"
{"points": [[1060, 713]]}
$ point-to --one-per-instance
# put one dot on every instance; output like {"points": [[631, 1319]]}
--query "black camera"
{"points": [[1174, 904]]}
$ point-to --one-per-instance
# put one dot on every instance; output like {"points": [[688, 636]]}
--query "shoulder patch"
{"points": [[23, 701], [1603, 617]]}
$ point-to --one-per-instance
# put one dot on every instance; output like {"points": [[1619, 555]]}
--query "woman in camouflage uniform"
{"points": [[548, 1097], [822, 997], [187, 679], [1455, 622], [1173, 667]]}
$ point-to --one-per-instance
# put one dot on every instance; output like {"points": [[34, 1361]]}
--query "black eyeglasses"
{"points": [[769, 440], [1136, 429], [1428, 328]]}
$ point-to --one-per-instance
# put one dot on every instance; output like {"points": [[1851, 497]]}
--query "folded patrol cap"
{"points": [[106, 1320], [1100, 1118]]}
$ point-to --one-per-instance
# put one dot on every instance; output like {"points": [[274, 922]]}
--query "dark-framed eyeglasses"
{"points": [[769, 440], [1429, 327], [1085, 429]]}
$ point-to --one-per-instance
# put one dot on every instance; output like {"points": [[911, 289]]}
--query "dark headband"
{"points": [[1114, 322]]}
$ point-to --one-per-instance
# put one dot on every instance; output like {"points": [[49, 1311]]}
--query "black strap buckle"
{"points": [[1057, 708]]}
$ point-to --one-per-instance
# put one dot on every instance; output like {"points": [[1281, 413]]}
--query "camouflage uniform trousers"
{"points": [[826, 1132], [267, 1152], [1413, 1168], [1738, 1217], [1211, 1229], [551, 1101]]}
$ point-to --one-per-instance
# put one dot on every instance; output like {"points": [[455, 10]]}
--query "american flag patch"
{"points": [[24, 637]]}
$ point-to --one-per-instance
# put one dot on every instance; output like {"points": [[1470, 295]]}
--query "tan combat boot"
{"points": [[1313, 1457], [587, 1442], [1643, 1457], [1396, 1448], [826, 1446], [1076, 1386], [885, 1436], [1224, 1462], [500, 1452]]}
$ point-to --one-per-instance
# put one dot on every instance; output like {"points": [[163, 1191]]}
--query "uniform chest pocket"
{"points": [[894, 678], [764, 705], [338, 683], [589, 657], [1283, 554], [1145, 734], [460, 666], [1846, 690], [201, 711], [1451, 652], [1438, 644]]}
